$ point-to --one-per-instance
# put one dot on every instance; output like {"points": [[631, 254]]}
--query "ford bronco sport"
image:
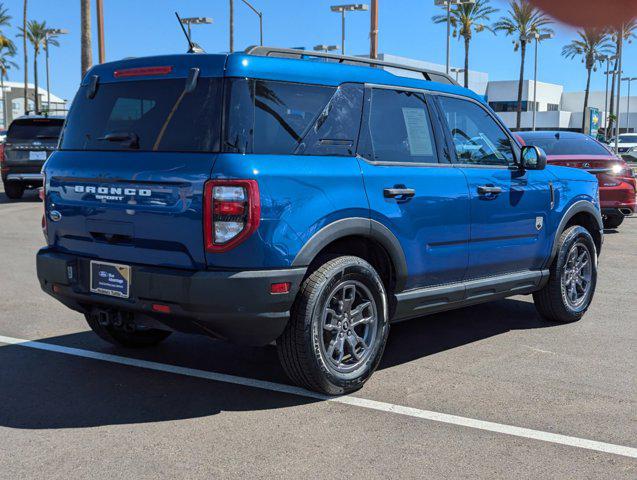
{"points": [[307, 199]]}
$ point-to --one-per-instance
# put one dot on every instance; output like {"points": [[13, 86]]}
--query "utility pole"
{"points": [[99, 6], [620, 45], [231, 26], [373, 31]]}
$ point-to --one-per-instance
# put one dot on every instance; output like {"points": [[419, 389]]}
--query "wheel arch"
{"points": [[356, 228], [585, 214]]}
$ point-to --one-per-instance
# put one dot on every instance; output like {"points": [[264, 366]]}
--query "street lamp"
{"points": [[325, 48], [629, 80], [538, 38], [607, 59], [260, 15], [195, 21], [457, 71], [51, 32], [352, 7], [447, 4]]}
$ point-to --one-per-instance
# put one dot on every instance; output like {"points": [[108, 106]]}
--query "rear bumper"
{"points": [[232, 305]]}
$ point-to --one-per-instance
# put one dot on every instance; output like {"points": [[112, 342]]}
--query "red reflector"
{"points": [[157, 307], [142, 71], [278, 288], [56, 288], [228, 208]]}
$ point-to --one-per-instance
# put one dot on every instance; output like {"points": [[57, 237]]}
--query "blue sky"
{"points": [[147, 27]]}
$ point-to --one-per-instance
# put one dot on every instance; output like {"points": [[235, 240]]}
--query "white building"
{"points": [[12, 102]]}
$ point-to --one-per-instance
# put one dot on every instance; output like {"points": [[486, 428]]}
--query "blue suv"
{"points": [[307, 199]]}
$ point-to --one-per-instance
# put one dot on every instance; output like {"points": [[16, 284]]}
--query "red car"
{"points": [[617, 186]]}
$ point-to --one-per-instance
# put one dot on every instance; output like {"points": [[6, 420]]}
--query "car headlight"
{"points": [[617, 169]]}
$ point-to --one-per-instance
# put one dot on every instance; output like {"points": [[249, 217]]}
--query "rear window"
{"points": [[147, 115], [628, 139], [42, 129], [567, 146]]}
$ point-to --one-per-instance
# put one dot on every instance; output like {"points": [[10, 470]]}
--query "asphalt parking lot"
{"points": [[490, 392]]}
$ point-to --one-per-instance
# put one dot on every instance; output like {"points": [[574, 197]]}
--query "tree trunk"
{"points": [[467, 41], [588, 88], [26, 57], [35, 82], [231, 26], [518, 120], [612, 98], [85, 36]]}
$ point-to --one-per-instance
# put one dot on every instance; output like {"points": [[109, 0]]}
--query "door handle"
{"points": [[399, 192], [489, 190]]}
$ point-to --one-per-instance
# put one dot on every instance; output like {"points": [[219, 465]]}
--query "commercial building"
{"points": [[12, 102]]}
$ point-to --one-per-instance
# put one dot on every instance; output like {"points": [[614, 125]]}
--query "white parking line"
{"points": [[347, 400]]}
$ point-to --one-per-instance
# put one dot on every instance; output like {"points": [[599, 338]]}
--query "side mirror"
{"points": [[533, 158]]}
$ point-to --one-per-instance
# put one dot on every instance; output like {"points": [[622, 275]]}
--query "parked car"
{"points": [[627, 146], [263, 196], [617, 185], [30, 141]]}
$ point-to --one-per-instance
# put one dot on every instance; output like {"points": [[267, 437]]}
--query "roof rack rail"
{"points": [[295, 53]]}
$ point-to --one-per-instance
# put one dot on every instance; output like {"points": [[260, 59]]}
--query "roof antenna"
{"points": [[192, 46]]}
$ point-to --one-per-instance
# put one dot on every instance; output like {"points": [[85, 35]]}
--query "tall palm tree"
{"points": [[629, 30], [26, 57], [5, 22], [6, 63], [590, 45], [522, 21], [36, 33], [467, 18], [87, 50]]}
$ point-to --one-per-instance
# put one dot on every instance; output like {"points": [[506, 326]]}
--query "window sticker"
{"points": [[417, 131]]}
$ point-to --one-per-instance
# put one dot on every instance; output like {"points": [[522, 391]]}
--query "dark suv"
{"points": [[30, 141], [258, 197]]}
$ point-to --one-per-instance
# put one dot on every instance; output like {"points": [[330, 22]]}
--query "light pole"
{"points": [[51, 32], [629, 80], [352, 7], [325, 48], [260, 15], [620, 47], [457, 71], [538, 38], [195, 21], [447, 4], [607, 59]]}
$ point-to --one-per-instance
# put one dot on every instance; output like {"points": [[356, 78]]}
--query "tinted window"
{"points": [[477, 137], [42, 129], [566, 146], [158, 114], [398, 128], [628, 139], [336, 129]]}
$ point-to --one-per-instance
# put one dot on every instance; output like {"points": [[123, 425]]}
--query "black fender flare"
{"points": [[577, 207], [359, 226]]}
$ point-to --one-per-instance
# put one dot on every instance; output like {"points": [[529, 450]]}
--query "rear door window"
{"points": [[397, 128], [147, 115]]}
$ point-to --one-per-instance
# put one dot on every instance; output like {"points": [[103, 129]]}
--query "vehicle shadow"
{"points": [[30, 196], [48, 390]]}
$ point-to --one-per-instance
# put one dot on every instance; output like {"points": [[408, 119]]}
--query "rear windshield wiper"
{"points": [[133, 139]]}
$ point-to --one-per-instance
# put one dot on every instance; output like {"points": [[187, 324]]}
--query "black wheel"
{"points": [[126, 338], [613, 221], [338, 327], [14, 190], [571, 286]]}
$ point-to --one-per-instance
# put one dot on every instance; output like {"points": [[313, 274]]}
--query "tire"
{"points": [[555, 301], [613, 221], [122, 338], [319, 322], [14, 190]]}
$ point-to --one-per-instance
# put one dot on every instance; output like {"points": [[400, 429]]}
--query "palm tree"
{"points": [[26, 57], [590, 45], [6, 63], [36, 33], [467, 18], [87, 51], [629, 30], [523, 20], [4, 22]]}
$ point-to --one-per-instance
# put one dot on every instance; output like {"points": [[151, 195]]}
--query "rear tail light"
{"points": [[143, 71], [232, 211]]}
